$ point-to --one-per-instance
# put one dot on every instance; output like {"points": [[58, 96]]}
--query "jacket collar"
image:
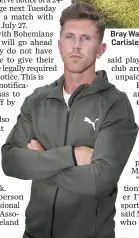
{"points": [[57, 91], [99, 84]]}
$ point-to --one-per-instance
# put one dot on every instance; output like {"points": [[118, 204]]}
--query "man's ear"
{"points": [[101, 50]]}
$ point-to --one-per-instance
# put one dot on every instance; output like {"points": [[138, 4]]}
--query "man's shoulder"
{"points": [[38, 94], [113, 95], [41, 92], [108, 90]]}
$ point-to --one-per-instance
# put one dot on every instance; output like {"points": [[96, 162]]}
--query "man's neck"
{"points": [[74, 80]]}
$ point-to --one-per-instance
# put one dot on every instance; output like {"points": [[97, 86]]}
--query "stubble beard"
{"points": [[77, 68]]}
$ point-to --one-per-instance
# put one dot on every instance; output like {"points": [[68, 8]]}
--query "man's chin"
{"points": [[75, 70]]}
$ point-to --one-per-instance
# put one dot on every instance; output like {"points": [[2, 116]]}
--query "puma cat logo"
{"points": [[91, 122]]}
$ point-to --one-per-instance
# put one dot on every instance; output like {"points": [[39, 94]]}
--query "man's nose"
{"points": [[77, 43]]}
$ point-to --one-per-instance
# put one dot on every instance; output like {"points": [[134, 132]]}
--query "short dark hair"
{"points": [[83, 10]]}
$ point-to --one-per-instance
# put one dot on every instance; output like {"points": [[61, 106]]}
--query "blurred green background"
{"points": [[117, 13]]}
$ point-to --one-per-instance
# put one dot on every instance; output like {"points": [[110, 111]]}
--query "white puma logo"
{"points": [[89, 121]]}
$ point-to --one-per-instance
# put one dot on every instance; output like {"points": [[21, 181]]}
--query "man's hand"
{"points": [[83, 155], [35, 145]]}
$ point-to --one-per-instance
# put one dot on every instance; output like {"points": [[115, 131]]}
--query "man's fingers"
{"points": [[29, 146], [34, 142], [35, 145]]}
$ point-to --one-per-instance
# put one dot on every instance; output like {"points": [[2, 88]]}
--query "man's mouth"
{"points": [[75, 56]]}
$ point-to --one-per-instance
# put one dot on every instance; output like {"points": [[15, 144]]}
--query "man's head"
{"points": [[81, 35], [83, 11]]}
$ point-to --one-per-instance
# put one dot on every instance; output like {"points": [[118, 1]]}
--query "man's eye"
{"points": [[85, 37], [69, 37]]}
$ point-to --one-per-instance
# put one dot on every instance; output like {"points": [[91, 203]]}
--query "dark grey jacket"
{"points": [[70, 201]]}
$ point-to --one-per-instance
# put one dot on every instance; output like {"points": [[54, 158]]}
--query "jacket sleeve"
{"points": [[112, 149], [20, 162]]}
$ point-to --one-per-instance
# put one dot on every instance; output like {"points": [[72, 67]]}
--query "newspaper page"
{"points": [[29, 58]]}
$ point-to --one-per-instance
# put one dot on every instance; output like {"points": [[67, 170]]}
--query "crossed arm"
{"points": [[83, 154], [26, 159]]}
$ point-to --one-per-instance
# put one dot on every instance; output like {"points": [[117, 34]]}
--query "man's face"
{"points": [[80, 45]]}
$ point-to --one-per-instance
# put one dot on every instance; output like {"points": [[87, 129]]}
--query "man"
{"points": [[74, 150]]}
